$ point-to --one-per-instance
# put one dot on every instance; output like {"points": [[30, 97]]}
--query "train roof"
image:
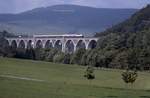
{"points": [[63, 35]]}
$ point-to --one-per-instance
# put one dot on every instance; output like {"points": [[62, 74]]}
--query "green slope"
{"points": [[28, 79]]}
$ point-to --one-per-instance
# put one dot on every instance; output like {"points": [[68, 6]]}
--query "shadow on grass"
{"points": [[144, 96], [111, 96]]}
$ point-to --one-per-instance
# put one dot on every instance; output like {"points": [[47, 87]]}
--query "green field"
{"points": [[35, 79]]}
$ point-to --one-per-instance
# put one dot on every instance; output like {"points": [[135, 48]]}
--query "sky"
{"points": [[16, 6]]}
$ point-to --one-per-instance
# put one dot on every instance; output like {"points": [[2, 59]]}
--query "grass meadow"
{"points": [[36, 79]]}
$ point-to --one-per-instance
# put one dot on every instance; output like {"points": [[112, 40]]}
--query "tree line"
{"points": [[112, 51]]}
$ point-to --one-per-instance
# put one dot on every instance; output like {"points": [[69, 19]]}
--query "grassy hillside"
{"points": [[28, 79]]}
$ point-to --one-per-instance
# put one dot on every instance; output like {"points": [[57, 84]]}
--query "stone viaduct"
{"points": [[66, 42]]}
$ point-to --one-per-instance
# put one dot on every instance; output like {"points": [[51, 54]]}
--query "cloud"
{"points": [[22, 5]]}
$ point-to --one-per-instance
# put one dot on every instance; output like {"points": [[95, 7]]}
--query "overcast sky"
{"points": [[15, 6]]}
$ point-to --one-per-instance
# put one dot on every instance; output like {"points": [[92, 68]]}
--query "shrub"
{"points": [[129, 76]]}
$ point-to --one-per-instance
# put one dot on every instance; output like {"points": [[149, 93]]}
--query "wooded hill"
{"points": [[129, 41]]}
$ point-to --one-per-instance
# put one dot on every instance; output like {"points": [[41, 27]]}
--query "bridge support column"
{"points": [[26, 43], [34, 44], [75, 47], [43, 43], [63, 47], [18, 42], [75, 42], [86, 46]]}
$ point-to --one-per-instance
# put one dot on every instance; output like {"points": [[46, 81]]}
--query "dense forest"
{"points": [[126, 45], [5, 50]]}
